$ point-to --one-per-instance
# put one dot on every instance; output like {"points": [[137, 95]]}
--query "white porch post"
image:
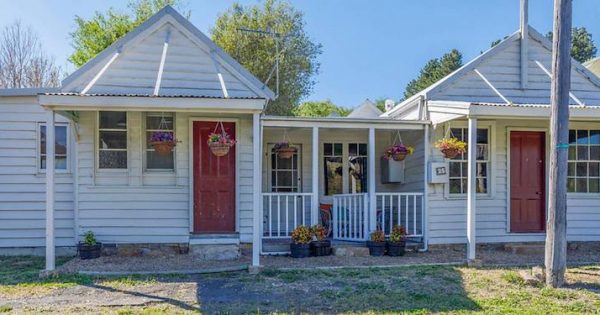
{"points": [[314, 214], [257, 184], [471, 187], [50, 190], [371, 181]]}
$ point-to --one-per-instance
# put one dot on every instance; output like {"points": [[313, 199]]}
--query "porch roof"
{"points": [[442, 111], [342, 122]]}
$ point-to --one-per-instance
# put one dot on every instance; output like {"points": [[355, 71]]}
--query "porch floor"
{"points": [[184, 263]]}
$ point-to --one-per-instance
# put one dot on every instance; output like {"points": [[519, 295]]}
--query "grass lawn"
{"points": [[417, 290]]}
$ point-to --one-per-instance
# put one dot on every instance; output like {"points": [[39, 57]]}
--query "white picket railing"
{"points": [[283, 212], [350, 217], [404, 209]]}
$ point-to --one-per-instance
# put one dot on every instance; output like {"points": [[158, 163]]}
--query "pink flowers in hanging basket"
{"points": [[163, 142], [220, 143], [398, 152]]}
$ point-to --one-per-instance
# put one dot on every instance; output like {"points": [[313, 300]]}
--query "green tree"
{"points": [[582, 44], [320, 109], [434, 70], [256, 52], [93, 35]]}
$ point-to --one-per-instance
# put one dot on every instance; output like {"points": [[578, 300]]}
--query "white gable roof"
{"points": [[366, 110], [500, 65], [192, 65]]}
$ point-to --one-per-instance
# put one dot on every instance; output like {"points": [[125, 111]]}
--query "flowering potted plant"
{"points": [[320, 246], [89, 248], [398, 152], [376, 243], [163, 142], [220, 143], [300, 246], [451, 147], [397, 242], [284, 149]]}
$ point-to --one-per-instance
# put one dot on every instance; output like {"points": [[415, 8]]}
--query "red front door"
{"points": [[527, 181], [214, 182]]}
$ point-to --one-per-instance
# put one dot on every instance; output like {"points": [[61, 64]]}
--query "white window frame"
{"points": [[97, 143], [39, 149], [145, 148], [587, 161], [491, 169], [298, 169]]}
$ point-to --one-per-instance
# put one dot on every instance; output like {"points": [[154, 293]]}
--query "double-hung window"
{"points": [[112, 140], [159, 122], [357, 163], [583, 173], [333, 163], [285, 173], [458, 165], [61, 143]]}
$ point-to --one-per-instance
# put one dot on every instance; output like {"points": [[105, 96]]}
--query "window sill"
{"points": [[583, 195], [464, 197]]}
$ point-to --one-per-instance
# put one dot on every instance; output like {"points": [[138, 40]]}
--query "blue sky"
{"points": [[371, 49]]}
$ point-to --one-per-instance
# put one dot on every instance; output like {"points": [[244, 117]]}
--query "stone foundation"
{"points": [[216, 251], [153, 249]]}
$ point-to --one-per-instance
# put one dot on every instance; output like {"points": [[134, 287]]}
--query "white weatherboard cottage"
{"points": [[103, 175]]}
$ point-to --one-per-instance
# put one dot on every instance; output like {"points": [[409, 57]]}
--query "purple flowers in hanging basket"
{"points": [[397, 149], [162, 136]]}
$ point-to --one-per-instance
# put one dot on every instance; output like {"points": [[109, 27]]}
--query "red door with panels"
{"points": [[527, 181], [214, 182]]}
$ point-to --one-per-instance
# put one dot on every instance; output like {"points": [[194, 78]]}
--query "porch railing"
{"points": [[404, 209], [283, 212], [350, 217]]}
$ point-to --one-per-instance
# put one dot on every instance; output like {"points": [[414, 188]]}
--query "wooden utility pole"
{"points": [[556, 229]]}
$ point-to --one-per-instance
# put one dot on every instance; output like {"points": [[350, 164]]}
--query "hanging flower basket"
{"points": [[285, 150], [451, 147], [220, 143], [163, 142], [398, 152]]}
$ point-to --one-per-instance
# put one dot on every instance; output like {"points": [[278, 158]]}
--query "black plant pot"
{"points": [[396, 248], [300, 250], [320, 248], [376, 248], [89, 251]]}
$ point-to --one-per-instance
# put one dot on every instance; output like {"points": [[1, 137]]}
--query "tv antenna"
{"points": [[278, 37]]}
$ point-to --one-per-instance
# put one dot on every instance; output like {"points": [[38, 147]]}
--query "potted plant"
{"points": [[89, 248], [451, 147], [397, 242], [376, 243], [284, 149], [320, 246], [300, 246], [163, 142], [220, 143], [398, 152]]}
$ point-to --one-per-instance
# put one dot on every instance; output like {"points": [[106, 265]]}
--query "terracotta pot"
{"points": [[163, 147], [219, 149], [286, 153], [450, 153], [400, 156]]}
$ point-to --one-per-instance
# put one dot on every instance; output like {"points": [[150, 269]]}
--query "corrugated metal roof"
{"points": [[147, 95], [530, 105]]}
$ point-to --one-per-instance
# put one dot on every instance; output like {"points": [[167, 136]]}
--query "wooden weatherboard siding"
{"points": [[22, 186], [134, 206], [447, 214]]}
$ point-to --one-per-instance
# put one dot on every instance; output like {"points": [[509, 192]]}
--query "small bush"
{"points": [[513, 278]]}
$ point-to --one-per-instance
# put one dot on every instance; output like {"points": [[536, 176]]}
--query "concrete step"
{"points": [[350, 251]]}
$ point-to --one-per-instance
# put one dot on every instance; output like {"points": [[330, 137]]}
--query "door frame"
{"points": [[508, 179], [191, 121]]}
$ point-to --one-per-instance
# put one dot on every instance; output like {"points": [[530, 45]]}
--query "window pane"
{"points": [[571, 184], [60, 162], [362, 149], [113, 120], [582, 137], [337, 149], [455, 169], [153, 121], [358, 174], [113, 140], [455, 186], [481, 170], [593, 185], [457, 133], [60, 147], [284, 179], [284, 164], [571, 169], [582, 152], [482, 136], [353, 149], [112, 159], [594, 169], [572, 153], [594, 136], [481, 185], [581, 169], [158, 161], [572, 136], [333, 175], [327, 149], [482, 152], [595, 153], [581, 185]]}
